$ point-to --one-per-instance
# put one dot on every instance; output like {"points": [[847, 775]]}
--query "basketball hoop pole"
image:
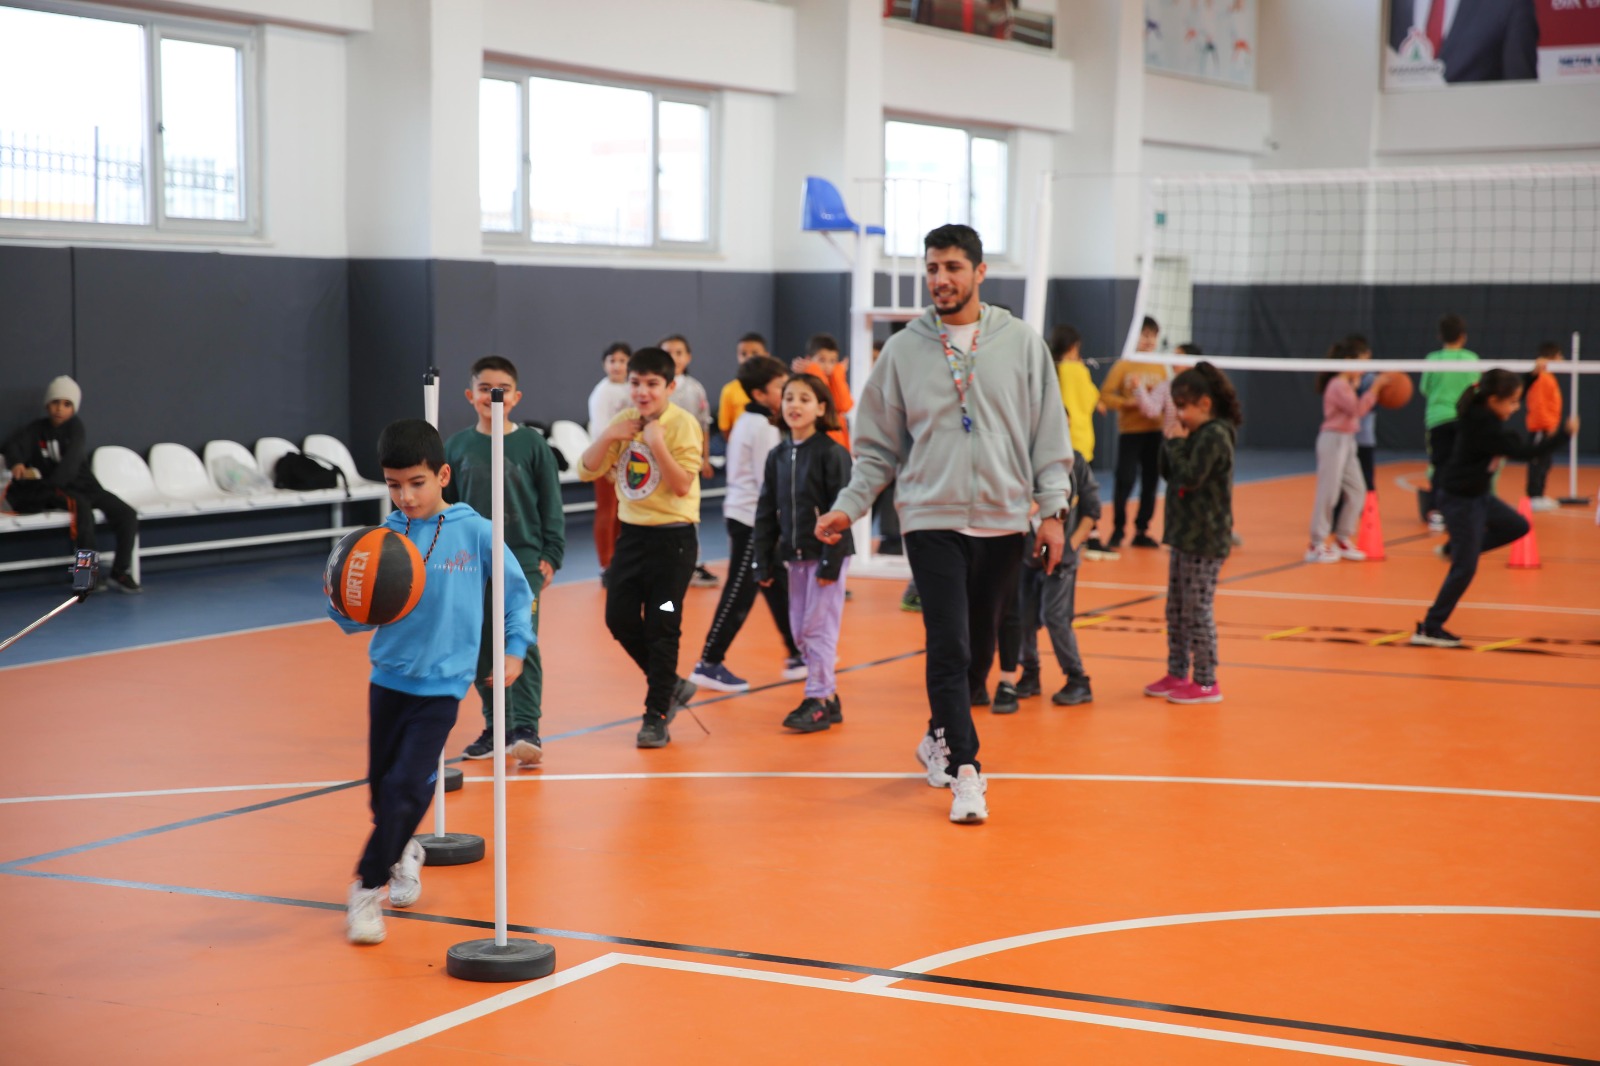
{"points": [[499, 959], [1572, 499]]}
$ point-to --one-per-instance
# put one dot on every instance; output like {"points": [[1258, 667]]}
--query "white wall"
{"points": [[942, 74], [303, 106]]}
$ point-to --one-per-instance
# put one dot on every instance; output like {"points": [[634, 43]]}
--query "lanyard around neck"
{"points": [[436, 531], [961, 370]]}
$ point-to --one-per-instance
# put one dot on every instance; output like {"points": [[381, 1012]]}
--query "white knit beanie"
{"points": [[64, 388]]}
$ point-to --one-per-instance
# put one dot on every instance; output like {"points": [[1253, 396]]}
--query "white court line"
{"points": [[405, 1037], [472, 1012], [866, 775], [1010, 943], [162, 644], [201, 790], [1379, 601]]}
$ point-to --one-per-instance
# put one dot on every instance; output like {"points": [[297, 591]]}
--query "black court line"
{"points": [[802, 962]]}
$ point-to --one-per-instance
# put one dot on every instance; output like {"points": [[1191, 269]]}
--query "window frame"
{"points": [[1007, 137], [522, 238], [158, 27]]}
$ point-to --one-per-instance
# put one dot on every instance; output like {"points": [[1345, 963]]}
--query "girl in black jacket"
{"points": [[1477, 519], [805, 473]]}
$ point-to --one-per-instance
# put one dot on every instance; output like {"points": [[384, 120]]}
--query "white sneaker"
{"points": [[931, 754], [967, 804], [1322, 553], [405, 876], [1546, 503], [363, 915], [1348, 550], [1435, 522]]}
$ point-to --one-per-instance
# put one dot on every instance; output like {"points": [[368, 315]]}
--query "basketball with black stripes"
{"points": [[374, 576]]}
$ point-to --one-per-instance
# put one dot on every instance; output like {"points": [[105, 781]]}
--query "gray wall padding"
{"points": [[35, 329], [186, 347]]}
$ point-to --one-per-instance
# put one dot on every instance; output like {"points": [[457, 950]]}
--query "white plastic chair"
{"points": [[180, 475], [269, 450], [217, 452], [123, 473], [571, 440], [332, 450]]}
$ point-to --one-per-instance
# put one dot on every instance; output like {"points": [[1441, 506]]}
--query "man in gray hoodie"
{"points": [[963, 411]]}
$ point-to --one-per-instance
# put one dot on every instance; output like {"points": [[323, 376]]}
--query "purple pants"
{"points": [[815, 612]]}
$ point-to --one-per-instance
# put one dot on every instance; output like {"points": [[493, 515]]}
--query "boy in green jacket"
{"points": [[535, 530], [1442, 391]]}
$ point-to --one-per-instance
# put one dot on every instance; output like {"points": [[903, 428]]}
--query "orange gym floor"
{"points": [[1369, 852]]}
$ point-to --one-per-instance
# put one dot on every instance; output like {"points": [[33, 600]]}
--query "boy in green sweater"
{"points": [[1441, 392], [535, 533]]}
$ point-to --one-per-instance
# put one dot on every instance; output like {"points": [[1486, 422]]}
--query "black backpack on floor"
{"points": [[303, 473]]}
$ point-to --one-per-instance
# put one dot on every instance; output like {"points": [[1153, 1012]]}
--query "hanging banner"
{"points": [[1434, 44], [1214, 41]]}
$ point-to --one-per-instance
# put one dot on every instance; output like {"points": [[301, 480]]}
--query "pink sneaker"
{"points": [[1159, 689], [1189, 692]]}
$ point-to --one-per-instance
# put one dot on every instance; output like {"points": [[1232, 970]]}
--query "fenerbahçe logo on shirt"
{"points": [[637, 473]]}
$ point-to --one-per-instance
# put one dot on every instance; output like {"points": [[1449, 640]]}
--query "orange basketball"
{"points": [[374, 576], [1396, 391]]}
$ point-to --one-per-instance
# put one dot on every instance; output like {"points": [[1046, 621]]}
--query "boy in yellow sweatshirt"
{"points": [[653, 451], [1138, 439]]}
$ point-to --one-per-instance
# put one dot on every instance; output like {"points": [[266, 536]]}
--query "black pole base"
{"points": [[518, 960], [453, 779], [1573, 501], [452, 849]]}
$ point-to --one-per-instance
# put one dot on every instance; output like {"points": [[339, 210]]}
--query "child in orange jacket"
{"points": [[1542, 398]]}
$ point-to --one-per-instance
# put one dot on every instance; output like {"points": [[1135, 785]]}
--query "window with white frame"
{"points": [[121, 118], [938, 174], [570, 162]]}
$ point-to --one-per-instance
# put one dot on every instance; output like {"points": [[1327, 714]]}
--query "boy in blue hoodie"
{"points": [[422, 665]]}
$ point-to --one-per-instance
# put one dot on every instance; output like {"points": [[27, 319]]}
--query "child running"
{"points": [[805, 474], [1544, 418], [1341, 488], [1477, 519], [753, 437], [1197, 461], [423, 664]]}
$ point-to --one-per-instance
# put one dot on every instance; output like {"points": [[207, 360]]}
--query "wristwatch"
{"points": [[1059, 516]]}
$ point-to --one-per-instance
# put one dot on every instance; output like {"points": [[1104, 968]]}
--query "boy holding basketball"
{"points": [[536, 533], [422, 662], [653, 452]]}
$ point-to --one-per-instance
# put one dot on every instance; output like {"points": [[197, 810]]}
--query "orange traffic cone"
{"points": [[1369, 538], [1525, 552]]}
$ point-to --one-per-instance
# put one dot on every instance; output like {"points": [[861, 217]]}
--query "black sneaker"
{"points": [[812, 716], [835, 709], [1028, 684], [1435, 637], [911, 601], [703, 578], [653, 733], [481, 748], [1114, 541], [1005, 698], [125, 583], [1144, 540], [525, 746], [1075, 691], [980, 697], [682, 693]]}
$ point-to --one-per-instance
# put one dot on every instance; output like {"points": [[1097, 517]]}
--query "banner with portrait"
{"points": [[1434, 44]]}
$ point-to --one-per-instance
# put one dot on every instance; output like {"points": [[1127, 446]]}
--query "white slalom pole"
{"points": [[1572, 445], [430, 411], [499, 959], [497, 478]]}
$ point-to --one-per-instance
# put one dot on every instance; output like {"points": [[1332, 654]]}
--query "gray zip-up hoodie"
{"points": [[908, 430]]}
